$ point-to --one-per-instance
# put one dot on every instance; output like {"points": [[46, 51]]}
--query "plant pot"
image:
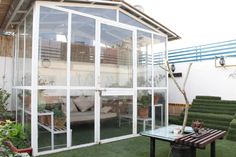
{"points": [[156, 98], [197, 125], [43, 119], [27, 101], [48, 120], [143, 112], [181, 151], [14, 149], [59, 123]]}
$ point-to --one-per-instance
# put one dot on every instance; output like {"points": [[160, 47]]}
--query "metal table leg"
{"points": [[213, 150], [193, 152], [152, 147]]}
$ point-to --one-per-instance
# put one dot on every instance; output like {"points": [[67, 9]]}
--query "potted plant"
{"points": [[27, 98], [143, 106], [59, 118], [14, 136], [157, 97], [42, 118], [4, 96]]}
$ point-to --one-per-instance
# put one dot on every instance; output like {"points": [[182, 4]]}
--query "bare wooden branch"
{"points": [[163, 68], [186, 78], [182, 91], [186, 108], [172, 77]]}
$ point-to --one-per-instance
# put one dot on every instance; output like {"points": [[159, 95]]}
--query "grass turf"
{"points": [[139, 147]]}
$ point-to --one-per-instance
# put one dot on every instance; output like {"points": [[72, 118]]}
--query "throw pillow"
{"points": [[106, 109], [72, 105], [83, 103]]}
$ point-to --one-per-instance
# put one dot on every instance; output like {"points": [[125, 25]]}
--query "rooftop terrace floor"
{"points": [[139, 147]]}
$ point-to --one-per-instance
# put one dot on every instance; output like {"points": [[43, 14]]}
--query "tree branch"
{"points": [[186, 109], [172, 77], [186, 78]]}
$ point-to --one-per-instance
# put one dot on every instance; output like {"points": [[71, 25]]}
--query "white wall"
{"points": [[6, 65], [204, 79]]}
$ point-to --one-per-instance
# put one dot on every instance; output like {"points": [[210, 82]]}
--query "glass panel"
{"points": [[159, 55], [82, 51], [82, 116], [116, 116], [100, 12], [160, 107], [19, 80], [27, 115], [116, 57], [13, 100], [15, 62], [52, 47], [144, 119], [126, 19], [19, 105], [51, 113], [144, 57], [28, 49]]}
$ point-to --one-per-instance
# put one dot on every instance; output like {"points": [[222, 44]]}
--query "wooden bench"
{"points": [[203, 141]]}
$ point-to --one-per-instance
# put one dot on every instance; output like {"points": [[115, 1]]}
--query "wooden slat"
{"points": [[218, 136], [201, 142], [215, 132]]}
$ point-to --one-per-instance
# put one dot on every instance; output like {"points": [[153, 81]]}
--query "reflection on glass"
{"points": [[82, 51], [52, 47], [27, 115], [100, 12], [144, 110], [20, 97], [160, 107], [159, 55], [126, 19], [82, 116], [116, 57], [20, 57], [116, 116], [51, 113], [28, 49], [144, 56]]}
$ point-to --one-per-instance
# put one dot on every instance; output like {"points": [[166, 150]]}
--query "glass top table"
{"points": [[166, 133]]}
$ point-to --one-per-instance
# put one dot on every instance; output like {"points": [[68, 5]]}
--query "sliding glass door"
{"points": [[116, 82]]}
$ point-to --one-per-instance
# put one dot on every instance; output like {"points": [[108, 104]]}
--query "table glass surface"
{"points": [[166, 133]]}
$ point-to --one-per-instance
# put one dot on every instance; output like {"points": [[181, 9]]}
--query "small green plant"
{"points": [[144, 101], [41, 107], [14, 132], [4, 96], [58, 113]]}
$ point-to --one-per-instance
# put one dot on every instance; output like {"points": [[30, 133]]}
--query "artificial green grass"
{"points": [[175, 120], [208, 97], [232, 130], [222, 117], [139, 147]]}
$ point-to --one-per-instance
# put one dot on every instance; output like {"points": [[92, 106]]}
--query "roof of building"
{"points": [[11, 12]]}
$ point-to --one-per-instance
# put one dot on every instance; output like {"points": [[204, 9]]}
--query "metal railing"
{"points": [[203, 52]]}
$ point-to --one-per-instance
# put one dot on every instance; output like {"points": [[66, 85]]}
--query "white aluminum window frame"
{"points": [[34, 78]]}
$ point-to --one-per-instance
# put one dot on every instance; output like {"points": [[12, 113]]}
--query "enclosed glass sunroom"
{"points": [[83, 70]]}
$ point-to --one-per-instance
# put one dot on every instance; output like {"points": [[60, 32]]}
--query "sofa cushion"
{"points": [[83, 103], [106, 109], [73, 108]]}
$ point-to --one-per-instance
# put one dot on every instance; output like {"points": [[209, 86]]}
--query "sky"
{"points": [[195, 21]]}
